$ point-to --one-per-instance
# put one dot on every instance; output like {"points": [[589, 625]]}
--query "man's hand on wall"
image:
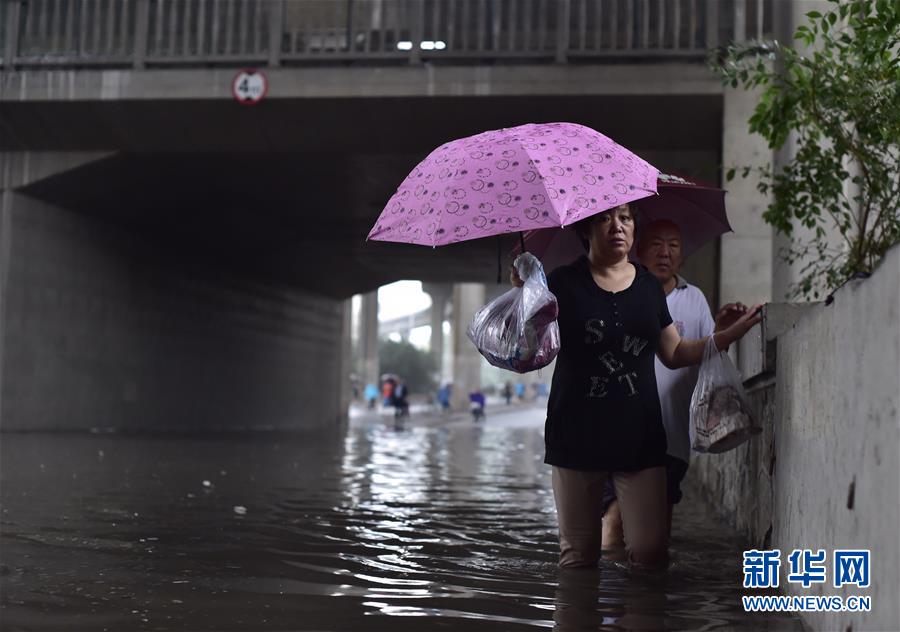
{"points": [[729, 314]]}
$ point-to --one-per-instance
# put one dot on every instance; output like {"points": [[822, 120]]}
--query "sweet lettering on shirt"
{"points": [[593, 328], [633, 344], [630, 378], [609, 361], [598, 386], [594, 332]]}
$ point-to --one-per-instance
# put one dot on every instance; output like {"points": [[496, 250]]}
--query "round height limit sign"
{"points": [[250, 86]]}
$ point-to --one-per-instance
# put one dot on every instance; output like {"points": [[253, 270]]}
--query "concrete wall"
{"points": [[826, 471], [746, 254], [102, 329]]}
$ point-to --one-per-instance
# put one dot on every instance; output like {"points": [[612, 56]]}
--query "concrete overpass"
{"points": [[404, 324], [172, 258]]}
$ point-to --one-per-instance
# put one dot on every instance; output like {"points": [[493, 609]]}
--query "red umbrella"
{"points": [[698, 210]]}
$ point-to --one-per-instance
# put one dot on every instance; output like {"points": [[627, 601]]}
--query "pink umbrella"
{"points": [[513, 179], [698, 209]]}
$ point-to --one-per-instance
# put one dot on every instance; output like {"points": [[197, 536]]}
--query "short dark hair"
{"points": [[583, 226]]}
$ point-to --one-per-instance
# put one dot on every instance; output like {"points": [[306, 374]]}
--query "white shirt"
{"points": [[691, 317]]}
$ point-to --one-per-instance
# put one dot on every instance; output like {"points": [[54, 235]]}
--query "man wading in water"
{"points": [[659, 250]]}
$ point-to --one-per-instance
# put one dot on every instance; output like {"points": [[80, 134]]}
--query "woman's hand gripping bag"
{"points": [[720, 411], [518, 330]]}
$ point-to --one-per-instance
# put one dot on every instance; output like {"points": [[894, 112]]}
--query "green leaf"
{"points": [[840, 99]]}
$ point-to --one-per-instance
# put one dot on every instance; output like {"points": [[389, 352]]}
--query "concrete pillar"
{"points": [[440, 295], [787, 17], [6, 201], [752, 260], [345, 389], [746, 254], [468, 298], [438, 307], [369, 338]]}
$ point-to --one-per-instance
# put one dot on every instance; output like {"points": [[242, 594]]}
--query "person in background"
{"points": [[371, 395], [477, 404], [401, 405], [443, 397], [520, 391], [508, 393], [660, 250], [387, 391]]}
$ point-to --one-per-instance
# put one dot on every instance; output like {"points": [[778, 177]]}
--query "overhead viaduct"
{"points": [[172, 259]]}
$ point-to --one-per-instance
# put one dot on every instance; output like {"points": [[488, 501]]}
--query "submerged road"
{"points": [[441, 524]]}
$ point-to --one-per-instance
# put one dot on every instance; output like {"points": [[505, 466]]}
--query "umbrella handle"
{"points": [[500, 255]]}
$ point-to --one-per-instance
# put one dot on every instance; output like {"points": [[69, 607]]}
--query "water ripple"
{"points": [[373, 529]]}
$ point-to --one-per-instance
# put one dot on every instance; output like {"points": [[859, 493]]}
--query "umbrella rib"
{"points": [[563, 218], [537, 168]]}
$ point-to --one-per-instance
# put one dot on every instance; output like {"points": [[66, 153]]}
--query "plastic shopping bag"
{"points": [[518, 330], [720, 412]]}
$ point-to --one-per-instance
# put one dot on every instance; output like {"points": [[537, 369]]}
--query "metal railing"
{"points": [[140, 33]]}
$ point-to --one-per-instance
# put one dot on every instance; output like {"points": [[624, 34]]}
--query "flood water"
{"points": [[447, 526]]}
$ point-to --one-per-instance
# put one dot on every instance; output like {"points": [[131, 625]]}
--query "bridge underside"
{"points": [[287, 190], [174, 260]]}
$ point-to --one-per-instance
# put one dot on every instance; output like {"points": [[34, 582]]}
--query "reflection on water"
{"points": [[448, 527]]}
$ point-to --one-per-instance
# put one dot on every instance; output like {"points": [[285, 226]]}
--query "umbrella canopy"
{"points": [[513, 179], [697, 209]]}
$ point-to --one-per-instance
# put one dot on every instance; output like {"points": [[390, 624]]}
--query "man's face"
{"points": [[660, 250]]}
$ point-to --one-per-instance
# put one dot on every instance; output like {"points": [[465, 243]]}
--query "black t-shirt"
{"points": [[603, 412]]}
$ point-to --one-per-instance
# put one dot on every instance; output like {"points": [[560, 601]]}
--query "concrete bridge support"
{"points": [[102, 327], [440, 294], [786, 276], [745, 268], [468, 298], [369, 338]]}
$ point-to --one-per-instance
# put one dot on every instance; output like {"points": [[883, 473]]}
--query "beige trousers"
{"points": [[642, 502]]}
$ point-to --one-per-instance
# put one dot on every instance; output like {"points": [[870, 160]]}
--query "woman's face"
{"points": [[612, 233]]}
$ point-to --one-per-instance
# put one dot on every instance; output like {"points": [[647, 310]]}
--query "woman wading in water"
{"points": [[603, 415]]}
